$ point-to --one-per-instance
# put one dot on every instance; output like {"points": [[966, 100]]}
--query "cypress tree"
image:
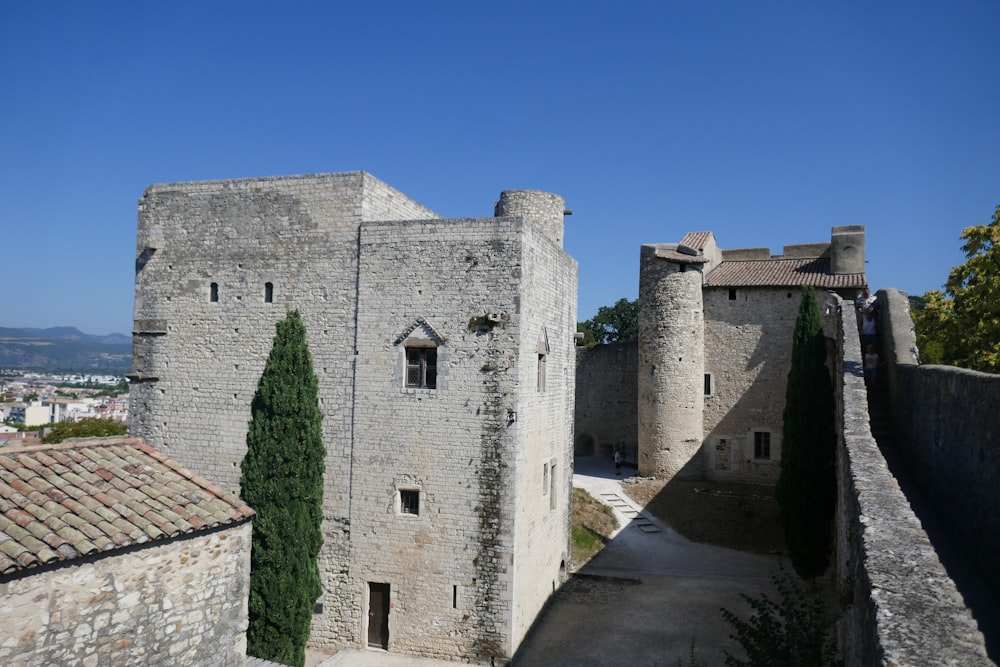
{"points": [[282, 480], [807, 490]]}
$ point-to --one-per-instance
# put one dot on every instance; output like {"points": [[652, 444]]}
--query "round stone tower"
{"points": [[671, 363], [543, 208]]}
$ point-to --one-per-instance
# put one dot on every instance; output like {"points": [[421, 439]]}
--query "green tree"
{"points": [[282, 480], [975, 290], [806, 490], [89, 427], [932, 316], [612, 324]]}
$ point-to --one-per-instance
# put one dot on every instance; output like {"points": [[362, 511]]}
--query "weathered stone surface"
{"points": [[371, 272], [181, 602]]}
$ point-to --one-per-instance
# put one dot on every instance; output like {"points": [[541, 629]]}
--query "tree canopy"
{"points": [[282, 480], [89, 427], [961, 326], [612, 324]]}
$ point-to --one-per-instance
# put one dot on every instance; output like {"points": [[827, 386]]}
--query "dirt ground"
{"points": [[737, 516]]}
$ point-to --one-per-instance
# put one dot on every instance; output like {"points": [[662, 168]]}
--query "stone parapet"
{"points": [[903, 608]]}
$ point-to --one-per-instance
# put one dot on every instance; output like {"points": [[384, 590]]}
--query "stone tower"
{"points": [[444, 350], [671, 360]]}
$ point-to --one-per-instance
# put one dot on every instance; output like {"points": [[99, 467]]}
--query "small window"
{"points": [[421, 367], [409, 501], [708, 384], [762, 445], [545, 478], [268, 292], [213, 292], [732, 295], [540, 386]]}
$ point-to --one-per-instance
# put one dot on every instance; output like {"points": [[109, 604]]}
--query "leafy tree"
{"points": [[975, 290], [806, 490], [932, 314], [612, 324], [89, 427], [282, 480]]}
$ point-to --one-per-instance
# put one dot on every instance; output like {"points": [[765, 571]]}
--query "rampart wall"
{"points": [[606, 395], [947, 426], [903, 609]]}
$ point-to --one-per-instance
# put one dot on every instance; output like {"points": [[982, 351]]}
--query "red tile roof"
{"points": [[86, 496], [782, 273], [696, 240]]}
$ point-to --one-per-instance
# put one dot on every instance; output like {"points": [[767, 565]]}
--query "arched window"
{"points": [[268, 292], [213, 292]]}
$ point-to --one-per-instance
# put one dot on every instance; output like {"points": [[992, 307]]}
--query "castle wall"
{"points": [[372, 273], [197, 361], [671, 367], [452, 443], [606, 395], [179, 603], [901, 606], [748, 353], [947, 430], [544, 425]]}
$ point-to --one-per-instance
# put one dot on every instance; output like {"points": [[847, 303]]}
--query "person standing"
{"points": [[618, 460]]}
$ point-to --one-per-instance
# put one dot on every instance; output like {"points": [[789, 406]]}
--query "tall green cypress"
{"points": [[807, 490], [282, 480]]}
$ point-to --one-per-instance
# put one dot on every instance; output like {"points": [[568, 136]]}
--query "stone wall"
{"points": [[901, 606], [947, 426], [183, 602], [748, 353], [371, 271], [606, 394]]}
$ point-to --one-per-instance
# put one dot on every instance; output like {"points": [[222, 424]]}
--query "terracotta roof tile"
{"points": [[696, 240], [60, 502], [782, 273]]}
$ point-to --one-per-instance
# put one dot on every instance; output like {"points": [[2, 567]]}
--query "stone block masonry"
{"points": [[183, 602], [430, 339]]}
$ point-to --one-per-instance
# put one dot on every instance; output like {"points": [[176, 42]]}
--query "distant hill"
{"points": [[64, 349]]}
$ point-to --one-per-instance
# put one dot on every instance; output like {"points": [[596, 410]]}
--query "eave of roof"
{"points": [[88, 496]]}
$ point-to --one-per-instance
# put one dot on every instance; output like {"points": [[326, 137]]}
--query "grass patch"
{"points": [[593, 523]]}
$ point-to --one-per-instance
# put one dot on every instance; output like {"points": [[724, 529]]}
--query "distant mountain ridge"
{"points": [[64, 349]]}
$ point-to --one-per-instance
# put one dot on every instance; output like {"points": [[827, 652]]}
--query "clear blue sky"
{"points": [[765, 122]]}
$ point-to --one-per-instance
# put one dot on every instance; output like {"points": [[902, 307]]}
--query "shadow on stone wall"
{"points": [[901, 607]]}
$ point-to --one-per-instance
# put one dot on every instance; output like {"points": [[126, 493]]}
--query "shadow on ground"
{"points": [[647, 596]]}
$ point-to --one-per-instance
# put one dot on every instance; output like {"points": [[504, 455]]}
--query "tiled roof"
{"points": [[782, 273], [696, 240], [86, 496]]}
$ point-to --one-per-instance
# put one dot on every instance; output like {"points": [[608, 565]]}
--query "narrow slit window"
{"points": [[268, 292], [708, 384], [213, 292], [540, 386], [454, 597], [545, 478], [552, 486]]}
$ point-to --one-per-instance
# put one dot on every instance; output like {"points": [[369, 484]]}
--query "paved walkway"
{"points": [[640, 602]]}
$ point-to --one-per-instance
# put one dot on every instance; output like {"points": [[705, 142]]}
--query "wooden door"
{"points": [[378, 615]]}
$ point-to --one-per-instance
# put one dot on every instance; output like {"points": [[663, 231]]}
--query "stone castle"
{"points": [[449, 381], [444, 350], [715, 331]]}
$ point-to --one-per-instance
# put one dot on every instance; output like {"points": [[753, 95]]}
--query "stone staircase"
{"points": [[633, 515]]}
